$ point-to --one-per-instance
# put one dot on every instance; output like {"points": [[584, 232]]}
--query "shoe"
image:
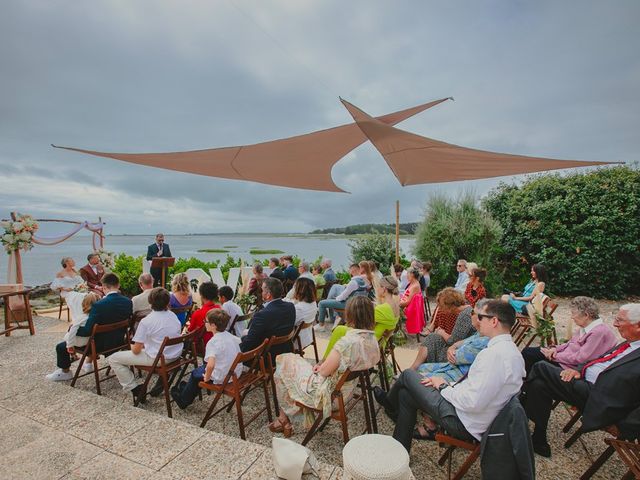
{"points": [[380, 396], [157, 389], [175, 394], [87, 367], [542, 448], [277, 427], [139, 394], [59, 376], [319, 327], [431, 434]]}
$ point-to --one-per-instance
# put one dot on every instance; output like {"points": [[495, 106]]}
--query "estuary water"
{"points": [[42, 262]]}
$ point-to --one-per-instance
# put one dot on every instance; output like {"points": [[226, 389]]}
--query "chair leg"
{"points": [[60, 310], [276, 405], [167, 398], [96, 373], [312, 430], [572, 439], [240, 419], [369, 405], [445, 456], [208, 415], [576, 416], [598, 463], [77, 374], [266, 400], [467, 463], [315, 346]]}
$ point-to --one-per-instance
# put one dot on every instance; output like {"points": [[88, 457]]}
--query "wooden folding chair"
{"points": [[297, 342], [345, 405], [238, 387], [451, 443], [186, 309], [629, 453], [524, 328], [163, 368], [239, 318], [387, 355], [91, 350], [427, 305], [604, 456], [63, 304], [270, 368], [325, 290]]}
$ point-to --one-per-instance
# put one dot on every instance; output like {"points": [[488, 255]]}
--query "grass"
{"points": [[213, 250], [264, 252], [230, 246]]}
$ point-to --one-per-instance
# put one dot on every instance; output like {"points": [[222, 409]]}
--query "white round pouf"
{"points": [[373, 457]]}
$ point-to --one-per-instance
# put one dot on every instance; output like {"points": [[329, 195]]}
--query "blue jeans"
{"points": [[335, 290], [187, 395], [329, 305]]}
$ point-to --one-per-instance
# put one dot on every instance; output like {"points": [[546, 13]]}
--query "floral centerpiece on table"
{"points": [[107, 259], [18, 233]]}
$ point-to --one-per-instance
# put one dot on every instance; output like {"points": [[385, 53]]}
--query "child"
{"points": [[233, 309], [319, 280], [220, 353]]}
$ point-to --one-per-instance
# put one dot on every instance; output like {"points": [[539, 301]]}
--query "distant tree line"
{"points": [[405, 229]]}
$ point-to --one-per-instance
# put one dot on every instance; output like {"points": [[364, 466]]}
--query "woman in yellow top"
{"points": [[386, 312]]}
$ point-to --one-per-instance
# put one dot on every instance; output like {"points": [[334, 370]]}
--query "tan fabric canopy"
{"points": [[304, 161], [415, 159]]}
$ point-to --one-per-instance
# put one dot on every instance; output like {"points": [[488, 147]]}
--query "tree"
{"points": [[377, 247]]}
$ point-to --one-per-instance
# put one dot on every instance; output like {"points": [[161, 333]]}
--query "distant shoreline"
{"points": [[256, 234]]}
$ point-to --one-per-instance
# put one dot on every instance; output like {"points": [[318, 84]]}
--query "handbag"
{"points": [[292, 460]]}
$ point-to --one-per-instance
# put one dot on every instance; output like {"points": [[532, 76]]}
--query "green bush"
{"points": [[377, 247], [584, 227], [454, 229], [128, 269]]}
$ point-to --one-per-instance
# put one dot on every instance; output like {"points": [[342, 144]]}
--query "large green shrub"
{"points": [[585, 227], [377, 247], [128, 269], [454, 229]]}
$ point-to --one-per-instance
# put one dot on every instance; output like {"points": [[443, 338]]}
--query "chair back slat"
{"points": [[110, 327]]}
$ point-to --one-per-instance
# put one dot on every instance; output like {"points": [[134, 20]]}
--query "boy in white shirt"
{"points": [[233, 309], [219, 356]]}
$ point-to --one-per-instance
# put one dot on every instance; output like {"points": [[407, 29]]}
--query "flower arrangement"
{"points": [[18, 233], [107, 259]]}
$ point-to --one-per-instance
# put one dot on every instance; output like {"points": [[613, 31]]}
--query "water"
{"points": [[42, 262]]}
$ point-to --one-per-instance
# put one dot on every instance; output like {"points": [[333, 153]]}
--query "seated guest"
{"points": [[141, 306], [449, 304], [150, 334], [276, 271], [256, 281], [593, 339], [92, 272], [360, 284], [328, 273], [180, 295], [289, 271], [209, 295], [605, 389], [467, 409], [463, 276], [531, 289], [66, 279], [319, 280], [304, 300], [113, 308], [232, 309], [398, 271], [79, 305], [475, 288], [304, 270], [426, 274], [298, 381], [435, 345], [219, 356], [276, 318], [386, 313], [412, 302]]}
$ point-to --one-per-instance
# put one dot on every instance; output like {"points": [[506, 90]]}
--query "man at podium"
{"points": [[157, 250]]}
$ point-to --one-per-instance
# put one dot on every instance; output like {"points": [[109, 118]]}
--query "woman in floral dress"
{"points": [[299, 381]]}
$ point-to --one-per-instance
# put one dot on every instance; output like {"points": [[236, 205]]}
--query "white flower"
{"points": [[26, 236], [7, 237], [17, 226], [6, 224]]}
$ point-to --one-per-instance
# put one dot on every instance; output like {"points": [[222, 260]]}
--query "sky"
{"points": [[544, 78]]}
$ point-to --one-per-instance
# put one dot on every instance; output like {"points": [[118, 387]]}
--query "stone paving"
{"points": [[50, 430]]}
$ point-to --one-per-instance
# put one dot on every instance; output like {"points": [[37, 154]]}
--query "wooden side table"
{"points": [[17, 316]]}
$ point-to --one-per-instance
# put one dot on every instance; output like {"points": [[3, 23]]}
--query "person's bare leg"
{"points": [[505, 298], [421, 356]]}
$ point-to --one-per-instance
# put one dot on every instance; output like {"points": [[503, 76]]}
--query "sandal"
{"points": [[431, 434], [278, 427]]}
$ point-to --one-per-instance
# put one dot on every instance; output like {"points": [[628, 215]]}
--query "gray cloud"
{"points": [[545, 78]]}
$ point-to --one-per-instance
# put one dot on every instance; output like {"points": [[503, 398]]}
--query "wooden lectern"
{"points": [[163, 263]]}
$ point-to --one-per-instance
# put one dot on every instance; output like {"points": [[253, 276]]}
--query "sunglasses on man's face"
{"points": [[483, 315]]}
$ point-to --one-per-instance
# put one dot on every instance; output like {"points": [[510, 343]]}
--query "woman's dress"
{"points": [[175, 303], [520, 305], [63, 285], [296, 381], [414, 313], [473, 294], [437, 346], [466, 353]]}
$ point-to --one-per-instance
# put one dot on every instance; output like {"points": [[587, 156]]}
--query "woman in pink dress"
{"points": [[413, 304]]}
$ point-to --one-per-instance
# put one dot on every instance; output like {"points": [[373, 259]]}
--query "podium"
{"points": [[162, 263]]}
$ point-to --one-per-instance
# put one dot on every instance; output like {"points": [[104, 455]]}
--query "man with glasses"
{"points": [[605, 390], [466, 409], [463, 276]]}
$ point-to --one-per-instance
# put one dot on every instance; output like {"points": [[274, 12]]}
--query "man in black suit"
{"points": [[113, 308], [276, 318], [157, 250], [605, 390]]}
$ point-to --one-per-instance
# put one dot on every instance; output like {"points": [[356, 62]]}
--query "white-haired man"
{"points": [[327, 272], [463, 276], [605, 390]]}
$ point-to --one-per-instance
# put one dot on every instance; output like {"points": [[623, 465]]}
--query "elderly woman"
{"points": [[593, 339], [531, 289], [435, 345], [180, 296], [298, 381]]}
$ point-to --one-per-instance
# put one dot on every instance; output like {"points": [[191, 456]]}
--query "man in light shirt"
{"points": [[141, 305], [463, 276], [605, 390], [466, 409]]}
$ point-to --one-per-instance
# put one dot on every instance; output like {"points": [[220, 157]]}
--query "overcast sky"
{"points": [[544, 78]]}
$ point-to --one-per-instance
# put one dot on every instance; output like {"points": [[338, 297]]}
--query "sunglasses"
{"points": [[483, 315]]}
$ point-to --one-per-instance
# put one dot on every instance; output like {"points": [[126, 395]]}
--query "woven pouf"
{"points": [[373, 457]]}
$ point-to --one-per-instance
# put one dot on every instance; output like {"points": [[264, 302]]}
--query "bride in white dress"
{"points": [[66, 283]]}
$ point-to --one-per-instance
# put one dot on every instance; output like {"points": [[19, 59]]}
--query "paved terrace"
{"points": [[52, 431]]}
